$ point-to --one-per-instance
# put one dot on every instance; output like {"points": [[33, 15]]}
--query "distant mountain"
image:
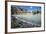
{"points": [[28, 7]]}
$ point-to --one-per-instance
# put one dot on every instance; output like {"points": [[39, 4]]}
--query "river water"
{"points": [[25, 21]]}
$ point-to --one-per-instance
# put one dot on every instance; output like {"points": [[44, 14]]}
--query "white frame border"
{"points": [[23, 29]]}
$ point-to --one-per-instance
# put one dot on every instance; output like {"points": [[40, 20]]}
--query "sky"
{"points": [[28, 7]]}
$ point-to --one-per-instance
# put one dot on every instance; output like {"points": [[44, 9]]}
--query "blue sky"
{"points": [[28, 7]]}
